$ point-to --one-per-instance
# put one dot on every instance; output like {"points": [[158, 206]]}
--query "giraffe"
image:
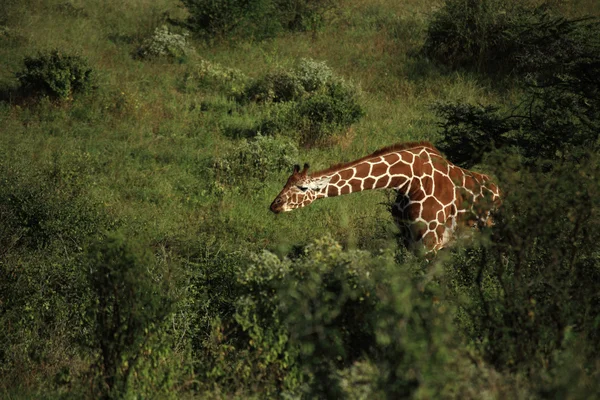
{"points": [[435, 198]]}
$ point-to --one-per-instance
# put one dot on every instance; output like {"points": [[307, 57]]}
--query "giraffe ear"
{"points": [[296, 168]]}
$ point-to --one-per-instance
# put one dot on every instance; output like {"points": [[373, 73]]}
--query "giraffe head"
{"points": [[299, 191]]}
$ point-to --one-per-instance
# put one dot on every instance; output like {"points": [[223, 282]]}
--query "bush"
{"points": [[307, 78], [325, 322], [470, 132], [131, 304], [46, 223], [275, 87], [165, 43], [324, 113], [557, 119], [313, 74], [222, 18], [506, 37], [257, 19], [41, 210], [310, 102], [57, 75], [533, 289], [257, 158], [208, 75], [527, 299], [554, 124], [41, 313]]}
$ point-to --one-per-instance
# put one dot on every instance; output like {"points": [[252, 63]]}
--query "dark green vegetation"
{"points": [[138, 258]]}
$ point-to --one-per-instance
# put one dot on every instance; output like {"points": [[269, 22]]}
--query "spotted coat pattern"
{"points": [[435, 198]]}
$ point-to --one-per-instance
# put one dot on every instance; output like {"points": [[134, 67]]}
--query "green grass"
{"points": [[141, 148], [153, 144]]}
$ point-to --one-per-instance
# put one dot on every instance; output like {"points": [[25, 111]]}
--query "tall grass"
{"points": [[138, 156]]}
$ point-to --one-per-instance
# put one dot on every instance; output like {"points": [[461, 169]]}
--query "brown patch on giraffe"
{"points": [[408, 157], [430, 208], [429, 240], [392, 158], [432, 225], [470, 183], [440, 164], [346, 174], [334, 179], [427, 168], [345, 189], [398, 181], [333, 190], [362, 170], [427, 185], [382, 182], [444, 188], [399, 169], [440, 231], [369, 183], [356, 184], [413, 211], [456, 175], [415, 191], [379, 169], [441, 218]]}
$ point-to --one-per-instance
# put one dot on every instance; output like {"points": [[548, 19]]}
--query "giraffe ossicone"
{"points": [[435, 198]]}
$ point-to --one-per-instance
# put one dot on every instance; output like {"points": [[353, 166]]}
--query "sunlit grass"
{"points": [[154, 142], [141, 146]]}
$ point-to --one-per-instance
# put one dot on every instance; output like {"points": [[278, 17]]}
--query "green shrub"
{"points": [[313, 74], [56, 75], [223, 356], [528, 295], [505, 36], [165, 43], [309, 102], [44, 296], [257, 19], [256, 158], [276, 87], [40, 209], [281, 118], [215, 77], [222, 18], [46, 222], [327, 311], [323, 319], [470, 132], [554, 124], [307, 78], [558, 118], [303, 15], [324, 113], [533, 288], [131, 304]]}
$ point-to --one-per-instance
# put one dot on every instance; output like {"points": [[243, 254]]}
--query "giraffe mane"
{"points": [[378, 153]]}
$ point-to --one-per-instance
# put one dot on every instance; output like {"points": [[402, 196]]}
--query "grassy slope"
{"points": [[143, 148]]}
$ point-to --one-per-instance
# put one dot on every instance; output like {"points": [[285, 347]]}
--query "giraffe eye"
{"points": [[303, 188], [278, 200]]}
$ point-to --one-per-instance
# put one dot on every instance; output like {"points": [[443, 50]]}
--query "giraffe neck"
{"points": [[392, 170]]}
